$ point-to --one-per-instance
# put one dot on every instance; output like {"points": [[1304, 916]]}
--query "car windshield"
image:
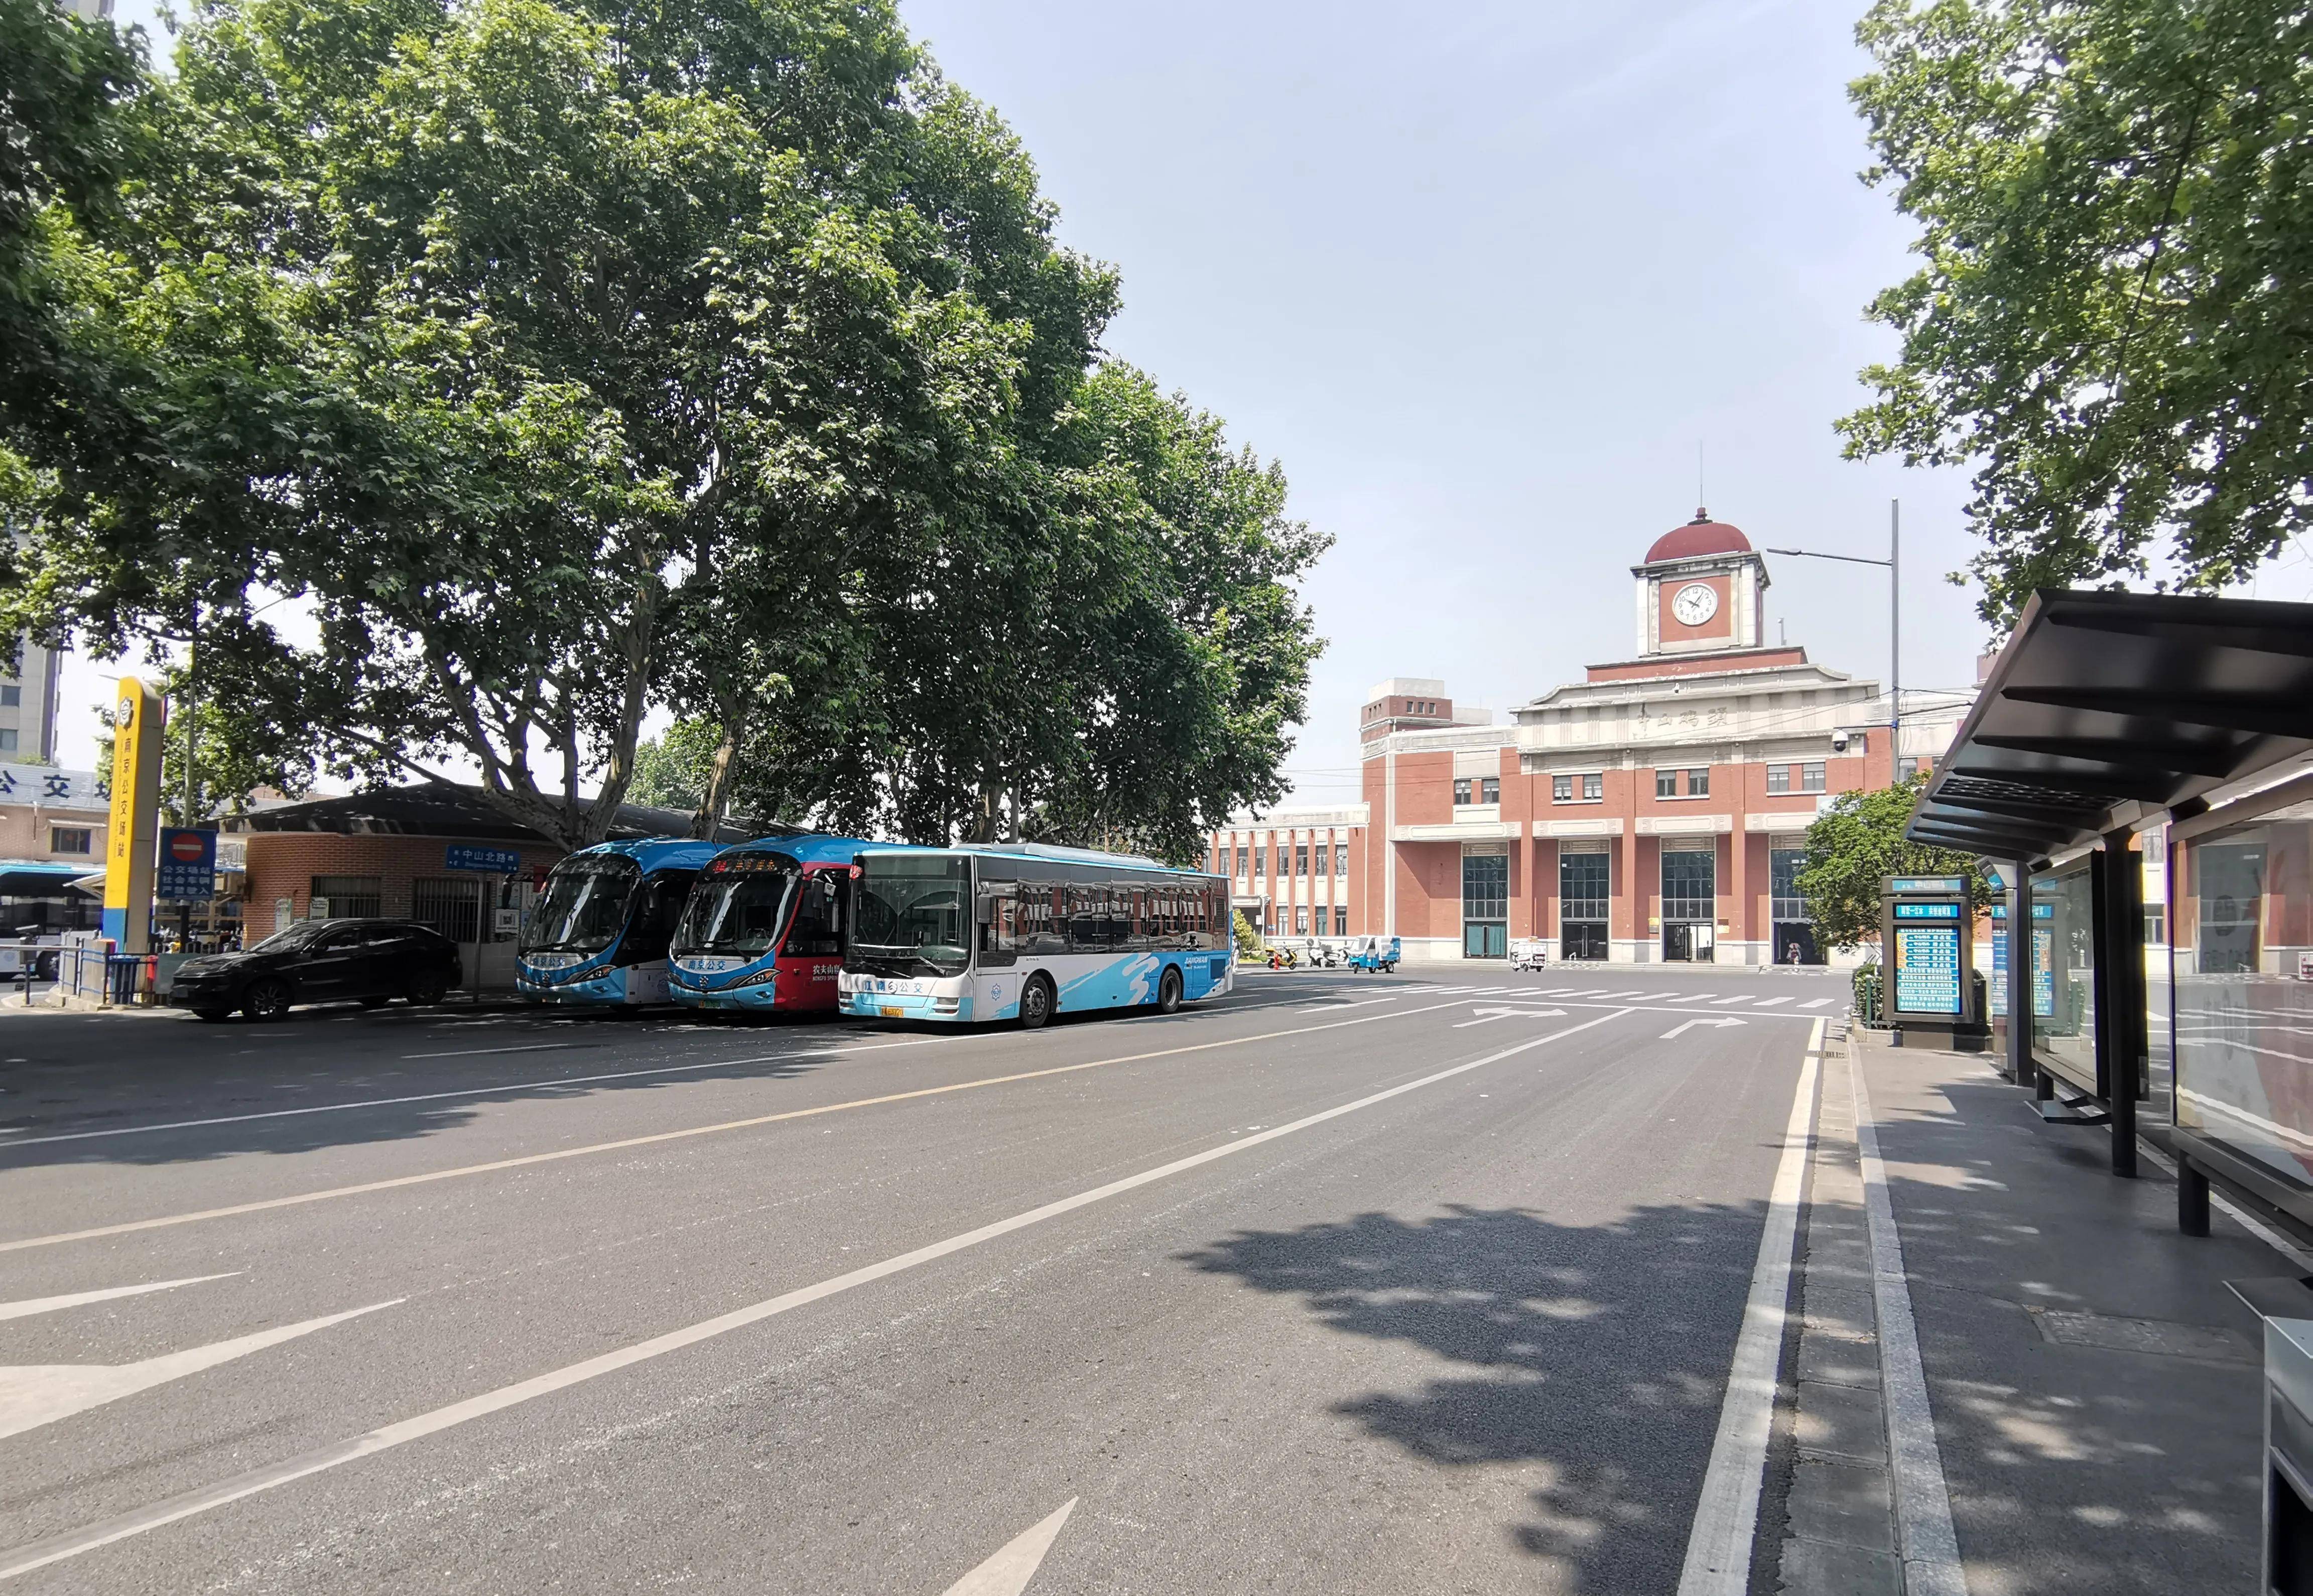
{"points": [[739, 906], [583, 906], [913, 916], [298, 937]]}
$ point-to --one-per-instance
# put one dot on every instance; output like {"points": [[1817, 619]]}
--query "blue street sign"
{"points": [[188, 868], [483, 861]]}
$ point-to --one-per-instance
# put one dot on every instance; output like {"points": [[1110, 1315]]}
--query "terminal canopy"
{"points": [[2108, 707]]}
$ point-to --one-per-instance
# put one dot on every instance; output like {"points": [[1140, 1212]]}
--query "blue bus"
{"points": [[763, 930], [1025, 930], [598, 934]]}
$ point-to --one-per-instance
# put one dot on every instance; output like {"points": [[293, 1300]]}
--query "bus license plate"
{"points": [[891, 1011]]}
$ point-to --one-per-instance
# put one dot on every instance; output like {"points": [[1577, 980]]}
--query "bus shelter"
{"points": [[2137, 774]]}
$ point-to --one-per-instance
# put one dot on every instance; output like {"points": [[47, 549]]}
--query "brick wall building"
{"points": [[1653, 810]]}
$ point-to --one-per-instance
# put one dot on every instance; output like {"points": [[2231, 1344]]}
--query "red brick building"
{"points": [[1653, 810]]}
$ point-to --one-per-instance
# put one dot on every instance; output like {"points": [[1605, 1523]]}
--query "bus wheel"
{"points": [[1168, 991], [1035, 1003]]}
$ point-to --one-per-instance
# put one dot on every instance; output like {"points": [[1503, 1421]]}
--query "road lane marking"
{"points": [[1924, 1536], [524, 1047], [38, 1394], [1486, 1016], [1693, 997], [1008, 1572], [24, 1559], [1738, 997], [263, 1205], [1726, 1515], [81, 1299], [1362, 1003], [1769, 1003], [1714, 1020], [511, 1087], [1815, 1003]]}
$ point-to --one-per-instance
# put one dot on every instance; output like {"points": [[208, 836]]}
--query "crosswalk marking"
{"points": [[1769, 1003], [1692, 997], [1738, 997], [1815, 1003]]}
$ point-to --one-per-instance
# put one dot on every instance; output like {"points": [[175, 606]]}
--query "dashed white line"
{"points": [[40, 1554]]}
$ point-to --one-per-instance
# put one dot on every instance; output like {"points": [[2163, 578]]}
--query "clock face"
{"points": [[1695, 603]]}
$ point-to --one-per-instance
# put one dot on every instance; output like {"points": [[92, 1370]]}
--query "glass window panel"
{"points": [[1689, 884], [1666, 783], [2063, 971], [1698, 783], [1783, 899], [1561, 789], [2241, 925], [1594, 786], [1811, 778], [1485, 886], [1779, 779], [1492, 790], [354, 897], [1582, 886]]}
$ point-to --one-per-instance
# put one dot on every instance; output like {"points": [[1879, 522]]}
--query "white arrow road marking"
{"points": [[1008, 1572], [1486, 1014], [37, 1394], [1715, 1021], [32, 1305]]}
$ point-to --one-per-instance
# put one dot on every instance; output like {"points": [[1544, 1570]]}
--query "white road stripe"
{"points": [[40, 1554], [655, 1138], [525, 1047], [1693, 997], [1815, 1003], [1769, 1003], [81, 1299], [1727, 1002], [42, 1393], [1924, 1535], [1726, 1517], [1008, 1572]]}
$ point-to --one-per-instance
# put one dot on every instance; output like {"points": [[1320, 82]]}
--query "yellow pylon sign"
{"points": [[133, 837]]}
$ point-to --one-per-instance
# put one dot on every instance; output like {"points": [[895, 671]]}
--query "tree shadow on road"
{"points": [[1596, 1353]]}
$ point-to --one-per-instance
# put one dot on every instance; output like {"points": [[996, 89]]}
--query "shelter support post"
{"points": [[2019, 972], [2119, 902], [2192, 1200]]}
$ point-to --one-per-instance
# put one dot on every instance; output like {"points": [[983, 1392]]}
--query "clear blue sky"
{"points": [[1481, 278]]}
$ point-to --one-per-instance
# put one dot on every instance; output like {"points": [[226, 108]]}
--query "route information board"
{"points": [[1927, 969]]}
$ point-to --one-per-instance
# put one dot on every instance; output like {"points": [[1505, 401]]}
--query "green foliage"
{"points": [[1248, 940], [484, 377], [2116, 310], [672, 770], [1853, 846], [1864, 987]]}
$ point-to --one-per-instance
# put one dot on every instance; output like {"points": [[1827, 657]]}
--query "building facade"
{"points": [[1654, 810]]}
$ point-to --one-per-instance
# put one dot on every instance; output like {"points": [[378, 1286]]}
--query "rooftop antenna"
{"points": [[1701, 497]]}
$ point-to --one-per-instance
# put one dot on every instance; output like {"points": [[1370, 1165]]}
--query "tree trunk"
{"points": [[718, 794]]}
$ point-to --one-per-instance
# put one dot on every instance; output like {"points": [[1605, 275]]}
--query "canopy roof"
{"points": [[39, 878], [2103, 708], [452, 809]]}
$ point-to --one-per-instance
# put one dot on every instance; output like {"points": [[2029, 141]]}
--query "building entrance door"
{"points": [[1486, 905], [1689, 944], [1690, 905], [1582, 939]]}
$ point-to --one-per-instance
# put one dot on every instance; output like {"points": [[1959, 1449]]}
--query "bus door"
{"points": [[812, 956]]}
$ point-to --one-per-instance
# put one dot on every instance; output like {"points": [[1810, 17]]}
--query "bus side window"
{"points": [[818, 929], [999, 923]]}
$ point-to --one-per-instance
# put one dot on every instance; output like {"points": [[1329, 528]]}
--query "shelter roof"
{"points": [[2106, 706]]}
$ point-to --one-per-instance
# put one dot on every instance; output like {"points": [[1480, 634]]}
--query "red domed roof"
{"points": [[1702, 535]]}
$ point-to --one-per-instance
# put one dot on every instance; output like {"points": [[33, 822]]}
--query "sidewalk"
{"points": [[2094, 1391]]}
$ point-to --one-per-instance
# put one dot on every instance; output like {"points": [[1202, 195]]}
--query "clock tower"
{"points": [[1703, 589]]}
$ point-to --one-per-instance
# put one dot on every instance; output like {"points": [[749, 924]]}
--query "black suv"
{"points": [[320, 961]]}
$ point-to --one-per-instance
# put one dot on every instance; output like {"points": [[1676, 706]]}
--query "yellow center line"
{"points": [[168, 1220]]}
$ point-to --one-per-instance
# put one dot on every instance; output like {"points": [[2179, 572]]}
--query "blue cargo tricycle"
{"points": [[1370, 954]]}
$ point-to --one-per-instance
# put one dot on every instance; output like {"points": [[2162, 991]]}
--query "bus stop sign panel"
{"points": [[1929, 956]]}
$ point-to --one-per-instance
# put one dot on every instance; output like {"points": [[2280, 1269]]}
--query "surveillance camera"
{"points": [[1839, 742]]}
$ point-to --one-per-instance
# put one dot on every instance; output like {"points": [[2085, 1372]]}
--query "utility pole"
{"points": [[1893, 564]]}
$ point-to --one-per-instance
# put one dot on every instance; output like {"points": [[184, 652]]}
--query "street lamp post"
{"points": [[1894, 565]]}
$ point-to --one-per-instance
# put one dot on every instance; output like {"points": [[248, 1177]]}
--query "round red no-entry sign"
{"points": [[186, 845]]}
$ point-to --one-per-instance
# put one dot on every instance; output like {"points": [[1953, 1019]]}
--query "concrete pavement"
{"points": [[1343, 1284]]}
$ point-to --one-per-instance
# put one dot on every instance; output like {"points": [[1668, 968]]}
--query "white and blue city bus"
{"points": [[1025, 930], [598, 934], [763, 931]]}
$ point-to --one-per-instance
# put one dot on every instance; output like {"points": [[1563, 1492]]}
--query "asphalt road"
{"points": [[1342, 1283]]}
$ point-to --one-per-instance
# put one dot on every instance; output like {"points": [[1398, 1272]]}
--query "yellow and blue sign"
{"points": [[133, 833]]}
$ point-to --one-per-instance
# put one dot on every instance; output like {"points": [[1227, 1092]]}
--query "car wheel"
{"points": [[266, 999], [1035, 1003], [426, 991], [213, 1015], [1168, 990]]}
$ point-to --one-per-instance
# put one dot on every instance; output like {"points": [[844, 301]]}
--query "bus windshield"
{"points": [[583, 906], [738, 906], [913, 916]]}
